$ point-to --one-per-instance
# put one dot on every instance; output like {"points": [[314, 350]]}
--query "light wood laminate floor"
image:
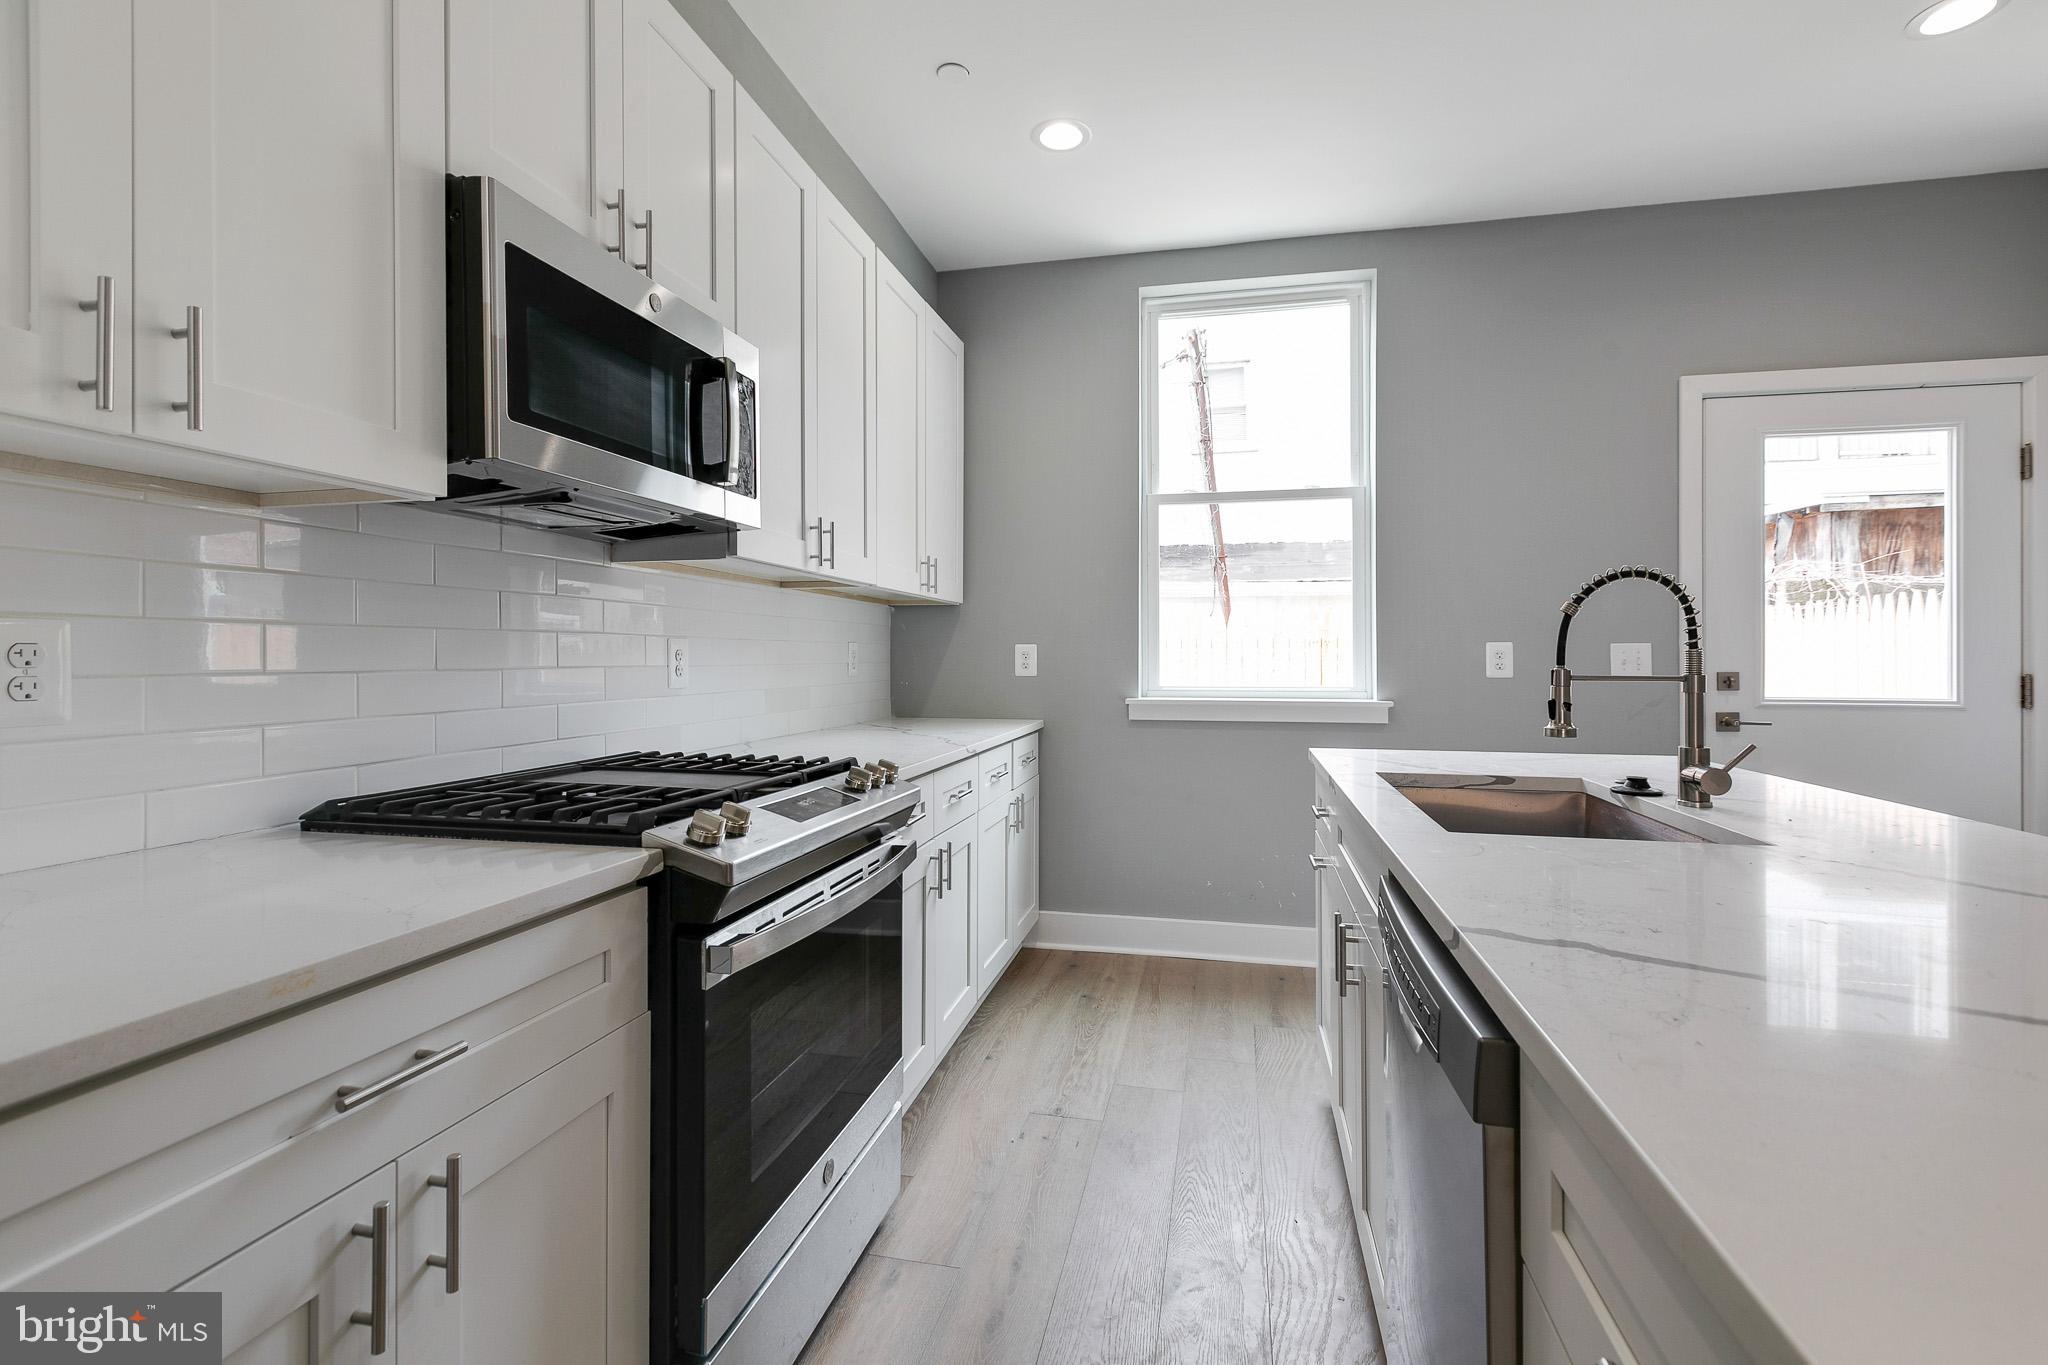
{"points": [[1123, 1160]]}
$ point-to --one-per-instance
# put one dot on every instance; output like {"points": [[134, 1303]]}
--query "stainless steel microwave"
{"points": [[584, 397]]}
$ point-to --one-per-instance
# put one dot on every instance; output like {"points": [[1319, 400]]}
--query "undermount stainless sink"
{"points": [[1553, 808]]}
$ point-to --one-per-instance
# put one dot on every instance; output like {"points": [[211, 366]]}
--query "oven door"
{"points": [[798, 1016]]}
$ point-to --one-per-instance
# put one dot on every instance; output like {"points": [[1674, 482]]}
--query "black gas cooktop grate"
{"points": [[572, 802]]}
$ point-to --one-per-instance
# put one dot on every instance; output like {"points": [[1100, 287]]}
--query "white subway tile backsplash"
{"points": [[345, 743], [204, 703], [493, 649], [175, 590], [176, 817], [459, 730], [110, 648], [233, 669], [458, 567], [347, 649], [409, 604], [394, 694], [68, 585], [345, 554]]}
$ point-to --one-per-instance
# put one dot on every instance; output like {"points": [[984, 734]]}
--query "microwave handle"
{"points": [[732, 419]]}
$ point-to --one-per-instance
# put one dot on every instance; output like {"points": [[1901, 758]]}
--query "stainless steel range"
{"points": [[775, 967]]}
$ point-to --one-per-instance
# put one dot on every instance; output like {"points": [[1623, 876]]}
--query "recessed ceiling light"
{"points": [[1063, 134], [1948, 16], [951, 71]]}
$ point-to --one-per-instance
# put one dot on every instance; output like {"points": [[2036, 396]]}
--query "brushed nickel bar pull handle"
{"points": [[1320, 863], [618, 208], [1028, 759], [819, 527], [1320, 812], [451, 1260], [101, 385], [949, 864], [424, 1060], [647, 224], [378, 1319], [833, 531], [195, 370]]}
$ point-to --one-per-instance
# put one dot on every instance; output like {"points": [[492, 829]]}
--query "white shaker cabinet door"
{"points": [[945, 379], [919, 1054], [289, 1297], [536, 96], [838, 480], [992, 940], [949, 934], [775, 198], [1024, 861], [289, 236], [679, 158], [533, 1211], [65, 214], [900, 556]]}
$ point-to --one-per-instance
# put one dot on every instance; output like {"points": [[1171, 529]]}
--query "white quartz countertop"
{"points": [[107, 962], [916, 745], [1820, 1061]]}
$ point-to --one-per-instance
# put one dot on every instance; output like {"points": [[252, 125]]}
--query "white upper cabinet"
{"points": [[900, 555], [536, 95], [289, 305], [775, 201], [945, 382], [679, 157], [838, 480], [65, 217]]}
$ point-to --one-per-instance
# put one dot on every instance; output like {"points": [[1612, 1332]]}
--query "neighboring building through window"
{"points": [[1256, 554]]}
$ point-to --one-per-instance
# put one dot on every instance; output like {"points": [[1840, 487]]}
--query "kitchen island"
{"points": [[1805, 1059]]}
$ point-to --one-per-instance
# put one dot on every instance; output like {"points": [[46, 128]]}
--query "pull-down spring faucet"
{"points": [[1700, 779]]}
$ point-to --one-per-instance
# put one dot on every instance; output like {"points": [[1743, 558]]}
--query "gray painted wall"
{"points": [[727, 34], [1527, 437]]}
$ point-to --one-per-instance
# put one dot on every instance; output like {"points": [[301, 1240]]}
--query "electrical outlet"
{"points": [[1628, 660], [852, 658], [677, 663], [35, 673], [1500, 659], [1027, 661]]}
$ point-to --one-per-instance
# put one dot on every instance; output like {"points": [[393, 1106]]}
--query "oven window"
{"points": [[584, 367], [795, 1044]]}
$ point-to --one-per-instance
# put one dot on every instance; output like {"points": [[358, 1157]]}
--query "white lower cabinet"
{"points": [[993, 943], [1023, 859], [920, 1054], [949, 932]]}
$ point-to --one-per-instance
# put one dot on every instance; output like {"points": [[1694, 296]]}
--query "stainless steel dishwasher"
{"points": [[1449, 1253]]}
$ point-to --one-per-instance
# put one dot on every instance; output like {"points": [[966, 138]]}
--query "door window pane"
{"points": [[1257, 594], [1858, 540], [1275, 385]]}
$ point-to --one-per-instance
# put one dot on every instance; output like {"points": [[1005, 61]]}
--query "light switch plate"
{"points": [[35, 673], [1027, 661], [1500, 659], [1628, 660], [677, 663]]}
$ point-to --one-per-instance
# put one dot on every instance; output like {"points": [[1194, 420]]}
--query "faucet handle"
{"points": [[1713, 778], [1736, 761]]}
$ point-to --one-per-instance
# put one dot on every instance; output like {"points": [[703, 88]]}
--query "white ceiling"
{"points": [[1232, 120]]}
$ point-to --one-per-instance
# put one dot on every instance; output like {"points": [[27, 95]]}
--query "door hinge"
{"points": [[2027, 461], [2026, 691]]}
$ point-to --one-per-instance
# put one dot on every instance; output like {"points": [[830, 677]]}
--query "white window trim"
{"points": [[1359, 704]]}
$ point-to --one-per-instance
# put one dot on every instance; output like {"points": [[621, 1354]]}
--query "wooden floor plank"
{"points": [[888, 1310], [1078, 1068], [1213, 1295], [1155, 1047], [1106, 1311], [1317, 1306], [1228, 1002]]}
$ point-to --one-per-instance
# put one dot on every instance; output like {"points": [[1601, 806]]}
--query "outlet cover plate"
{"points": [[676, 662], [1027, 661], [1500, 659], [852, 658], [35, 673]]}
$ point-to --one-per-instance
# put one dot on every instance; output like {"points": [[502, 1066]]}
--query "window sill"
{"points": [[1306, 710]]}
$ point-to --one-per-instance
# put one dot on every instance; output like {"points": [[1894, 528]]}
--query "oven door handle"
{"points": [[725, 960]]}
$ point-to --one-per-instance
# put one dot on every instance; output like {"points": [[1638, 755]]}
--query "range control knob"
{"points": [[859, 779], [884, 769], [736, 818], [706, 829]]}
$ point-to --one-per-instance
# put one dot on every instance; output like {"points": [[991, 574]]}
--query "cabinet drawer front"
{"points": [[1024, 753], [249, 1125], [1612, 1289], [955, 793], [998, 773]]}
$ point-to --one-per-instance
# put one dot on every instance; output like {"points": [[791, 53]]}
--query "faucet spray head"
{"points": [[1560, 725]]}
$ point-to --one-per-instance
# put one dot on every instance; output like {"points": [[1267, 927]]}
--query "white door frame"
{"points": [[2030, 372]]}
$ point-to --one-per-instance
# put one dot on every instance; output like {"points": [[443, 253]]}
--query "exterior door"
{"points": [[991, 897], [899, 467], [775, 198], [679, 150], [287, 1298], [65, 211], [296, 204], [1862, 577], [838, 480], [945, 376], [545, 1228], [535, 99]]}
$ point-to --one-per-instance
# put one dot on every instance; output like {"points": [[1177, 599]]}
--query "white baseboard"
{"points": [[1151, 936]]}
